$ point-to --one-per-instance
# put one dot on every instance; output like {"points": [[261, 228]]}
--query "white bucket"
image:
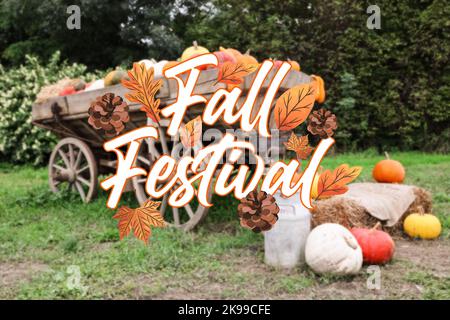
{"points": [[284, 244]]}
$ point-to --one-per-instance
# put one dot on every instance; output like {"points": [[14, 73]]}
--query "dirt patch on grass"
{"points": [[13, 273], [241, 274], [430, 255]]}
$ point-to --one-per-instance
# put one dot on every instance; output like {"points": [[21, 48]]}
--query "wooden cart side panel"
{"points": [[78, 104], [44, 110], [292, 79]]}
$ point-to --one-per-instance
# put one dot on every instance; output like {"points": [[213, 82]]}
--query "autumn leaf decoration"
{"points": [[234, 73], [140, 220], [143, 89], [334, 183], [191, 133], [300, 145], [293, 107]]}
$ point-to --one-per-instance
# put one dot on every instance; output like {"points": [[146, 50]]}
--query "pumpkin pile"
{"points": [[223, 55], [75, 86], [416, 225], [416, 222], [333, 249]]}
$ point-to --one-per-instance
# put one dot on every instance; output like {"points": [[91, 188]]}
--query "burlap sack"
{"points": [[367, 203]]}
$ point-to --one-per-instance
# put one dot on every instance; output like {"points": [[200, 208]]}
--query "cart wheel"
{"points": [[72, 166], [185, 218]]}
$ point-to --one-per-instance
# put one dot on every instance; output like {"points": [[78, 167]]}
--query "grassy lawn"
{"points": [[45, 239]]}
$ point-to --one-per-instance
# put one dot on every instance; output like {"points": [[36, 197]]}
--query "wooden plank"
{"points": [[292, 79], [78, 104], [44, 110], [89, 129], [205, 84]]}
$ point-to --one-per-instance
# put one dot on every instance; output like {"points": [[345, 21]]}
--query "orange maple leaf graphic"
{"points": [[191, 133], [234, 73], [334, 183], [300, 145], [143, 89], [293, 106], [140, 220]]}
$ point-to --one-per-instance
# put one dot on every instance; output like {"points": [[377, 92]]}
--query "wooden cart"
{"points": [[78, 158]]}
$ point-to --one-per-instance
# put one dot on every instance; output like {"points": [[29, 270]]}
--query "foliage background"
{"points": [[390, 87], [20, 141]]}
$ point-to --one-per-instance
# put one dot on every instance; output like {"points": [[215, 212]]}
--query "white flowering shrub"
{"points": [[20, 141]]}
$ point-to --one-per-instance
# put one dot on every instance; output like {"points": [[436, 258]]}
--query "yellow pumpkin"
{"points": [[193, 51], [115, 77], [422, 225]]}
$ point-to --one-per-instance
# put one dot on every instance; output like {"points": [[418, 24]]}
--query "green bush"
{"points": [[20, 141], [390, 88]]}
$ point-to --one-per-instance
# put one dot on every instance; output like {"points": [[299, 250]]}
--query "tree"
{"points": [[39, 28]]}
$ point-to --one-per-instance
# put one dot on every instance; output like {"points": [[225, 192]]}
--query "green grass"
{"points": [[38, 227], [434, 287]]}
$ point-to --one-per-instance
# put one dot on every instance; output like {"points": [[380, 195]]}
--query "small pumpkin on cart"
{"points": [[115, 77]]}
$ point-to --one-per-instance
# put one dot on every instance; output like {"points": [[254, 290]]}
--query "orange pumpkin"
{"points": [[389, 171], [224, 56], [294, 65], [232, 52], [169, 65], [320, 88], [246, 58], [377, 246]]}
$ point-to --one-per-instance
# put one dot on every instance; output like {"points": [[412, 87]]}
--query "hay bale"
{"points": [[53, 90], [423, 200], [350, 214]]}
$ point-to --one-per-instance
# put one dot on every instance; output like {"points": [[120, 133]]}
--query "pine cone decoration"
{"points": [[322, 123], [258, 211], [109, 113]]}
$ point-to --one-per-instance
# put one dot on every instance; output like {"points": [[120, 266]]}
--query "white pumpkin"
{"points": [[157, 66], [148, 63], [95, 85], [331, 248]]}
